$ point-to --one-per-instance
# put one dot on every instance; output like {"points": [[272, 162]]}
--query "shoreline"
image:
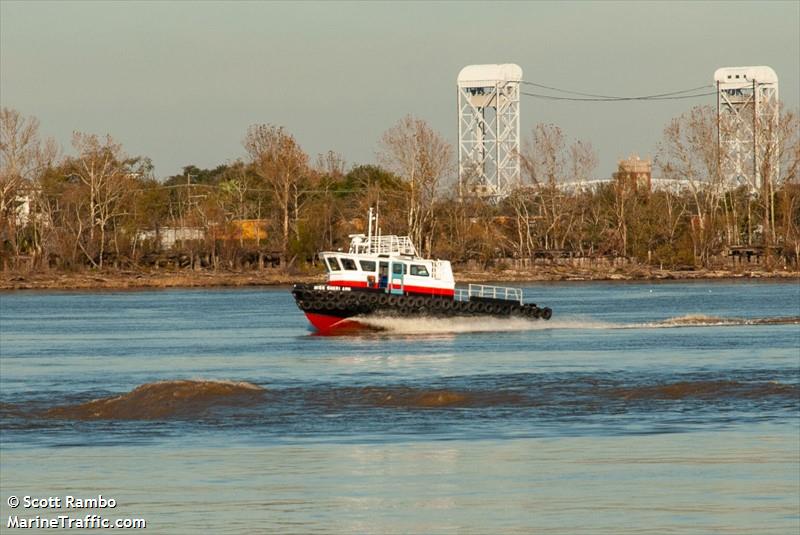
{"points": [[143, 280]]}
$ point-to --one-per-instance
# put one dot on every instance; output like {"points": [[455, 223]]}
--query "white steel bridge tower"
{"points": [[747, 118], [488, 129]]}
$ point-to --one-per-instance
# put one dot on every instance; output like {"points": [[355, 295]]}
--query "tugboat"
{"points": [[384, 276]]}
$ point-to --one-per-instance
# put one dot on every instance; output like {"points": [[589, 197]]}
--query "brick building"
{"points": [[634, 174]]}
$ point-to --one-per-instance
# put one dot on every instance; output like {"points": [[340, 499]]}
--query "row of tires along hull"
{"points": [[353, 303]]}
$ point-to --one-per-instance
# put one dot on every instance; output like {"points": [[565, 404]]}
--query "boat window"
{"points": [[333, 265], [348, 264], [398, 268], [419, 271], [367, 265]]}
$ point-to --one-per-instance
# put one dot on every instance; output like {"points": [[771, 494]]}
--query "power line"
{"points": [[612, 97], [618, 99]]}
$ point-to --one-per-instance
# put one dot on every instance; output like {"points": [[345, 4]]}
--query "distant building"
{"points": [[634, 174], [22, 211], [167, 237], [251, 230]]}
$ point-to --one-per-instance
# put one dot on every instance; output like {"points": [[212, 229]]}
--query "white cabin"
{"points": [[388, 263]]}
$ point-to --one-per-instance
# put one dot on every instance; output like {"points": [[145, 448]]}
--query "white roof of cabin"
{"points": [[489, 75], [761, 74]]}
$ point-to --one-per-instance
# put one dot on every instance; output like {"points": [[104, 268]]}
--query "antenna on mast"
{"points": [[377, 228], [369, 226]]}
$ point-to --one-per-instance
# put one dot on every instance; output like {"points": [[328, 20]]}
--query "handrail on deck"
{"points": [[490, 292], [387, 244]]}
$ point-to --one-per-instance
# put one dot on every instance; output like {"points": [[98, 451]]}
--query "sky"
{"points": [[180, 82]]}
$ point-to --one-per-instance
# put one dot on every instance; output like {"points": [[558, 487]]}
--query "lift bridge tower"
{"points": [[488, 129], [747, 117]]}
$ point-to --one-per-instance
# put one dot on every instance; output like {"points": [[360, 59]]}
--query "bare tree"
{"points": [[330, 164], [722, 213], [785, 189], [234, 191], [102, 167], [520, 200], [778, 162], [688, 152], [23, 159], [583, 162], [550, 166], [329, 170], [19, 149], [278, 160], [422, 158]]}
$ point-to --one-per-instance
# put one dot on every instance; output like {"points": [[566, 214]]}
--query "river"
{"points": [[639, 408]]}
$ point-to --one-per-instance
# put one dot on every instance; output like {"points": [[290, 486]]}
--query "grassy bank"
{"points": [[91, 280]]}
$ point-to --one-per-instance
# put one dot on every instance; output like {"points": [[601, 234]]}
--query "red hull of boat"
{"points": [[328, 324]]}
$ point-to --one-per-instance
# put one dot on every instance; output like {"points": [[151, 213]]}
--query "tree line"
{"points": [[100, 207]]}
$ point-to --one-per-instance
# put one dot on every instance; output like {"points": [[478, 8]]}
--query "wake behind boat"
{"points": [[384, 275]]}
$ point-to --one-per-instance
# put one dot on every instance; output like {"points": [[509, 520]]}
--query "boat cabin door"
{"points": [[396, 286], [383, 275]]}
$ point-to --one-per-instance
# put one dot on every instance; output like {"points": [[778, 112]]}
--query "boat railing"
{"points": [[488, 292], [389, 244]]}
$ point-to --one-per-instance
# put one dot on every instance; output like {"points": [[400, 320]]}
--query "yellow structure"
{"points": [[250, 229]]}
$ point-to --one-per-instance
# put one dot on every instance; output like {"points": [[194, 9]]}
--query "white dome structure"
{"points": [[737, 75], [483, 75]]}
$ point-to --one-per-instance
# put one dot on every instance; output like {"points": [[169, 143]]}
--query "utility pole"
{"points": [[188, 191]]}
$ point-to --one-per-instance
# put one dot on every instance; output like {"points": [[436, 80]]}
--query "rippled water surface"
{"points": [[639, 408]]}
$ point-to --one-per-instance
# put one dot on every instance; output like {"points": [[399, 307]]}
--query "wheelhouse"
{"points": [[390, 264], [389, 273]]}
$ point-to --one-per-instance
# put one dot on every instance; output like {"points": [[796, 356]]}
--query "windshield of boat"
{"points": [[332, 263], [419, 271], [349, 264]]}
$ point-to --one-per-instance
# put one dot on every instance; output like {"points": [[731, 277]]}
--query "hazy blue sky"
{"points": [[180, 82]]}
